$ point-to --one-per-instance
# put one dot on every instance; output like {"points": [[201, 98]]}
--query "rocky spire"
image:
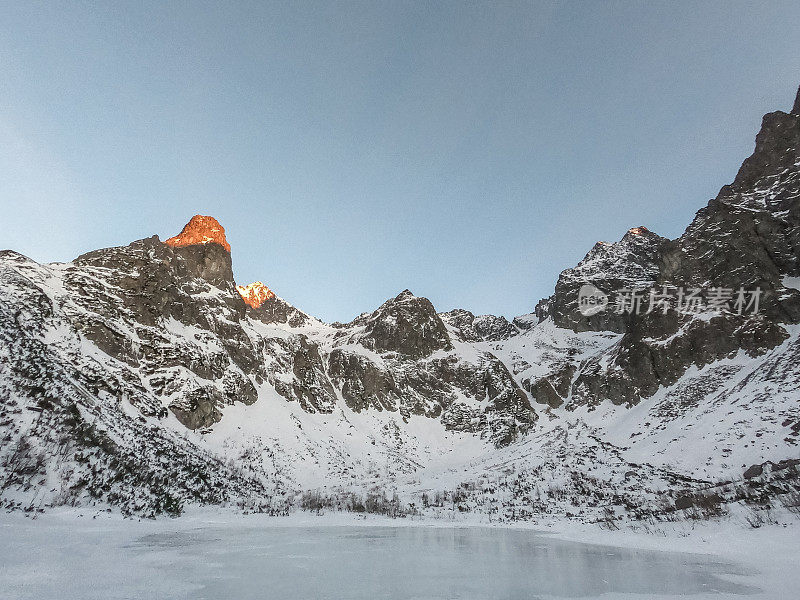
{"points": [[796, 109], [200, 230], [255, 294]]}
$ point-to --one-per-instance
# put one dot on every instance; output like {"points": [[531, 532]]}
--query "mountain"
{"points": [[145, 378], [633, 262], [746, 238]]}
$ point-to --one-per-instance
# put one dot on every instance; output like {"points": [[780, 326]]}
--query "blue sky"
{"points": [[467, 151]]}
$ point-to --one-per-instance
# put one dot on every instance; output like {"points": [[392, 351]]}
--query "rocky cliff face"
{"points": [[749, 235], [632, 263], [170, 316], [746, 238]]}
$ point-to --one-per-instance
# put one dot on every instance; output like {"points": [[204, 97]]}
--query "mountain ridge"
{"points": [[144, 378]]}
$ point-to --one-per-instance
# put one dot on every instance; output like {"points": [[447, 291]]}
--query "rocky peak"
{"points": [[200, 229], [404, 296], [461, 320], [632, 259], [796, 107], [264, 305], [482, 328], [255, 294], [202, 246], [777, 150], [641, 230], [749, 235], [633, 262], [406, 324]]}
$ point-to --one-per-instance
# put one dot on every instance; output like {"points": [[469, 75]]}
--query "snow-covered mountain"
{"points": [[144, 377]]}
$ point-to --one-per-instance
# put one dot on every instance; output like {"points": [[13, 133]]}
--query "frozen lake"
{"points": [[109, 560]]}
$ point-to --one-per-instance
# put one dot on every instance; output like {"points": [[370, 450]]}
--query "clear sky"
{"points": [[467, 151]]}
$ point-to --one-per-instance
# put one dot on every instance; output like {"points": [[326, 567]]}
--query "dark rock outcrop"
{"points": [[632, 263], [483, 328], [407, 325], [364, 384], [275, 310], [298, 374], [553, 389]]}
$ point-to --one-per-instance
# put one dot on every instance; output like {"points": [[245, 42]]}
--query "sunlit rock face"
{"points": [[255, 294], [265, 306], [202, 245], [200, 230], [639, 230]]}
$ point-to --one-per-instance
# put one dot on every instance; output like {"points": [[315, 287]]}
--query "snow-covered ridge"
{"points": [[139, 376]]}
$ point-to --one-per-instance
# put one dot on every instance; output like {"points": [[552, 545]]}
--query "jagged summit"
{"points": [[480, 328], [255, 294], [796, 107], [641, 230], [633, 231], [200, 229], [607, 260], [407, 324], [632, 262]]}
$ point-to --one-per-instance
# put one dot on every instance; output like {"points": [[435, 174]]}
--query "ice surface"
{"points": [[108, 559]]}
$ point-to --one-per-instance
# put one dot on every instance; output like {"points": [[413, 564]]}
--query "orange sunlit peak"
{"points": [[255, 294], [200, 229], [639, 230]]}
